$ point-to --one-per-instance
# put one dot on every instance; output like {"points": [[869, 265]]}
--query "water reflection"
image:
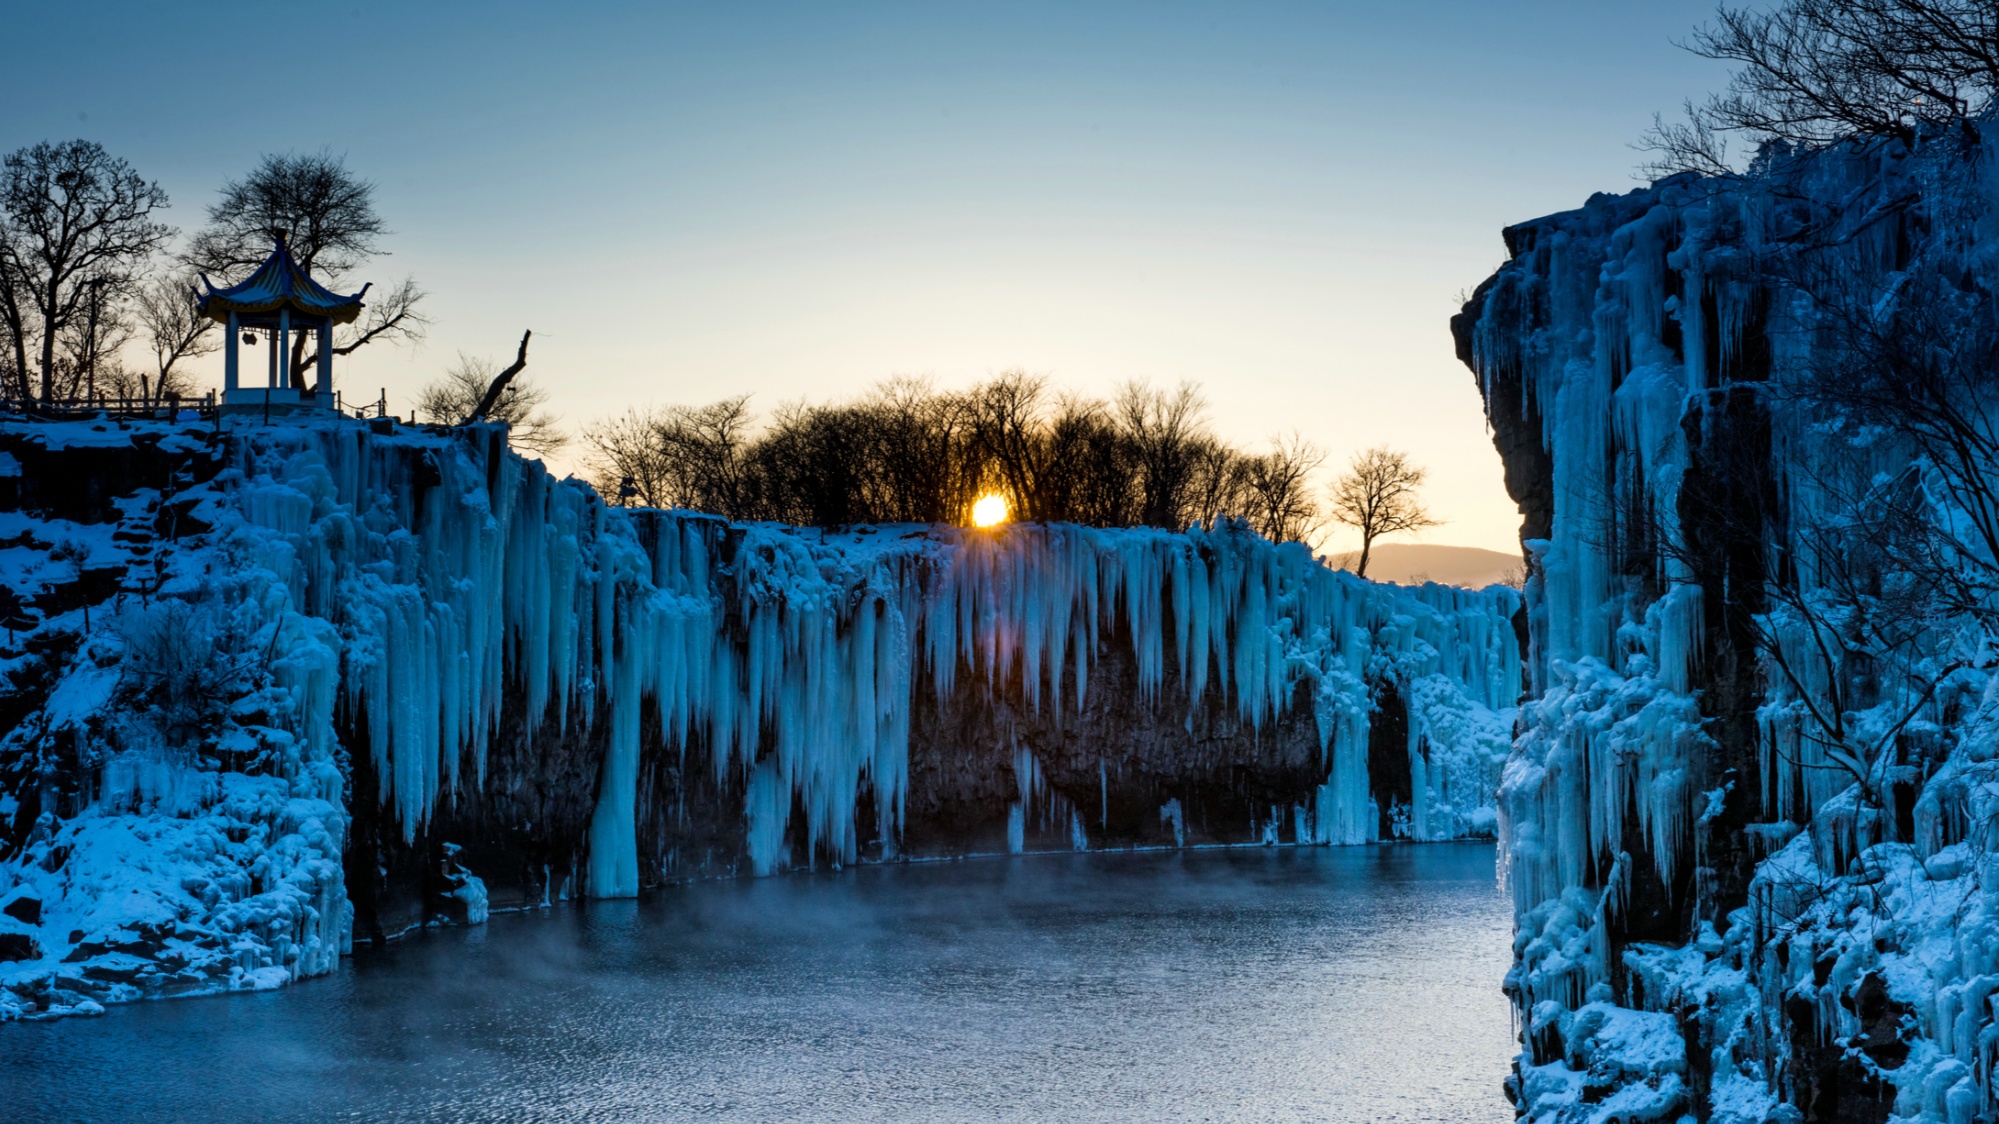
{"points": [[1346, 984]]}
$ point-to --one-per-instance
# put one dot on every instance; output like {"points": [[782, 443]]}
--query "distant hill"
{"points": [[1414, 563]]}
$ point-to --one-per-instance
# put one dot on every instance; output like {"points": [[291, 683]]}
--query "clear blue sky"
{"points": [[1281, 201]]}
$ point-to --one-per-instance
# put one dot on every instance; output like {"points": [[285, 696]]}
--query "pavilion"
{"points": [[278, 299]]}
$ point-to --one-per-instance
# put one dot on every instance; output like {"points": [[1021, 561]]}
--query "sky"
{"points": [[1282, 202]]}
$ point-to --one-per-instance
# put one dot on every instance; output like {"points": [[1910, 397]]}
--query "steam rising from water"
{"points": [[1343, 984]]}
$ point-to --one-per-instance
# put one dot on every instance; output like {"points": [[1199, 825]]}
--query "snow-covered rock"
{"points": [[1746, 828], [249, 656]]}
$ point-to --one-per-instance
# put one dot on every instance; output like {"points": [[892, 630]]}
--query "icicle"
{"points": [[796, 665]]}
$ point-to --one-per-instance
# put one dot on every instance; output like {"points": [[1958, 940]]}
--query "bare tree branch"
{"points": [[1377, 496], [1814, 73], [393, 317], [78, 224], [499, 385], [170, 319], [470, 391], [327, 214]]}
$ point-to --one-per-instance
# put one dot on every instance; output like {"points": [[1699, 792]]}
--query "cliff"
{"points": [[273, 688], [1739, 820]]}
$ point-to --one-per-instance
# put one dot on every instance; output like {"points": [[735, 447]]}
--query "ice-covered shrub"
{"points": [[176, 677]]}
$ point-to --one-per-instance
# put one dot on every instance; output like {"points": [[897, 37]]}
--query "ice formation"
{"points": [[1724, 912], [292, 602]]}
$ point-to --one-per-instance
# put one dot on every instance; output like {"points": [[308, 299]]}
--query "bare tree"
{"points": [[327, 215], [1092, 477], [490, 400], [170, 320], [1278, 487], [1812, 73], [1006, 421], [116, 380], [454, 399], [394, 316], [1167, 430], [1880, 569], [1857, 650], [813, 465], [1377, 496], [626, 462], [13, 378], [920, 441], [88, 362], [78, 223], [1218, 487], [906, 452], [704, 448], [1913, 355]]}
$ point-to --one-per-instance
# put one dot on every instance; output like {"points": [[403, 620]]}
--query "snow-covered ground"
{"points": [[194, 677]]}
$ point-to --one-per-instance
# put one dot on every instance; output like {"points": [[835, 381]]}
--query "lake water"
{"points": [[1344, 984]]}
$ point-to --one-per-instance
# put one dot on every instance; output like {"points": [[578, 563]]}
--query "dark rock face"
{"points": [[1723, 505], [23, 905], [1516, 424], [1115, 765], [18, 946], [1838, 1080], [1722, 500], [1388, 770], [124, 460], [521, 829]]}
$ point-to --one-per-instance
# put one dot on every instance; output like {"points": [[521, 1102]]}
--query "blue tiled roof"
{"points": [[279, 283]]}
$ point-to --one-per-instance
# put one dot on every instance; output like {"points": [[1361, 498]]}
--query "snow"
{"points": [[404, 583], [1627, 328], [245, 894]]}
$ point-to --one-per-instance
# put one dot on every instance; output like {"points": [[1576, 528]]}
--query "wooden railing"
{"points": [[71, 409], [157, 409]]}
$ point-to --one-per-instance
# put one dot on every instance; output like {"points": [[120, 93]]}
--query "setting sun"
{"points": [[990, 511]]}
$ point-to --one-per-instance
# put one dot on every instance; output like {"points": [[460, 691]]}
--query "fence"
{"points": [[74, 409], [168, 408]]}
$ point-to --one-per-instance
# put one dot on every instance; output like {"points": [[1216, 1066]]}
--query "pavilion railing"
{"points": [[74, 409], [170, 408]]}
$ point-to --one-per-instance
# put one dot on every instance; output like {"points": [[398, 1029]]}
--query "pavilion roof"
{"points": [[276, 284]]}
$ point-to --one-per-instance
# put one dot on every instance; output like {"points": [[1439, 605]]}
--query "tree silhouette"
{"points": [[328, 217], [1377, 496], [1814, 73], [76, 225], [453, 398]]}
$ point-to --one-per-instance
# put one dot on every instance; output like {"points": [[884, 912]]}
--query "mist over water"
{"points": [[1338, 984]]}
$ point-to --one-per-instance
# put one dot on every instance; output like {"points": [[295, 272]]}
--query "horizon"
{"points": [[1042, 630], [1271, 202]]}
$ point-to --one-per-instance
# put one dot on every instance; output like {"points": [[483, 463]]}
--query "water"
{"points": [[1343, 984]]}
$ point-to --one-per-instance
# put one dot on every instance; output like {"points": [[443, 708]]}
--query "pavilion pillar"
{"points": [[265, 302], [229, 366], [326, 362]]}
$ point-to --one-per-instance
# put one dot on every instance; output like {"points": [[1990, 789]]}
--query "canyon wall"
{"points": [[274, 688], [1745, 823]]}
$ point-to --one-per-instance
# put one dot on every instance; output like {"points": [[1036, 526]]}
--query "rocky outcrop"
{"points": [[1654, 366]]}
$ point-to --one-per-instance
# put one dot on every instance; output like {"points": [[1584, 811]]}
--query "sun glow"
{"points": [[990, 511]]}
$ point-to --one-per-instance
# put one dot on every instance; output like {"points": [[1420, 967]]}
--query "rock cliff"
{"points": [[274, 688], [1740, 816]]}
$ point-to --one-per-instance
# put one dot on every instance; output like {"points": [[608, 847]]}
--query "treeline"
{"points": [[91, 274], [907, 452]]}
